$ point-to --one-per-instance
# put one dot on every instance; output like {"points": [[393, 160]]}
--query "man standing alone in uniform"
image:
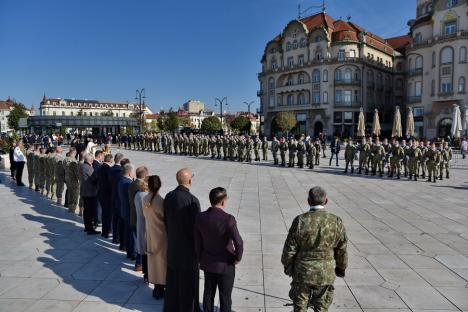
{"points": [[314, 253]]}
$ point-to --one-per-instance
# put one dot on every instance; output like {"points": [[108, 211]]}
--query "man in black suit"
{"points": [[219, 248], [97, 163], [114, 176], [104, 183], [182, 279], [335, 150]]}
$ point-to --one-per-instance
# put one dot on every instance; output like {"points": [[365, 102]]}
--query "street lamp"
{"points": [[217, 100], [248, 105], [140, 97]]}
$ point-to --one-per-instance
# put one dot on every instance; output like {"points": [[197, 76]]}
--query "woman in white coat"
{"points": [[156, 238]]}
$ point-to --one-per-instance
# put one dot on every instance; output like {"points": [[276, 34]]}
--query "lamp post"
{"points": [[248, 105], [217, 100], [140, 97]]}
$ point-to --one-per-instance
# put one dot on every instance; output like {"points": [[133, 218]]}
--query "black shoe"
{"points": [[21, 184], [93, 232]]}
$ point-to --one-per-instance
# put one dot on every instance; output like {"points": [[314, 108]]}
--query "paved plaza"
{"points": [[408, 248]]}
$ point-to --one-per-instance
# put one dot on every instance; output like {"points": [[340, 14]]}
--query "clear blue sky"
{"points": [[177, 50]]}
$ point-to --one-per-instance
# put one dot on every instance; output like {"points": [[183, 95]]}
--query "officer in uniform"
{"points": [[364, 150], [283, 147], [300, 151], [59, 173], [265, 148], [433, 160], [350, 152], [292, 152], [274, 150], [314, 254], [311, 153], [397, 155], [445, 158]]}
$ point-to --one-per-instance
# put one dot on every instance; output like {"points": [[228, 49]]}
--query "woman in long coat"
{"points": [[140, 243], [156, 238]]}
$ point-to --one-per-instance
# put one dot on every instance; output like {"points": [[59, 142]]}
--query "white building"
{"points": [[5, 108]]}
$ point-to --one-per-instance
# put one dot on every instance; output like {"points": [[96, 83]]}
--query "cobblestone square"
{"points": [[408, 245]]}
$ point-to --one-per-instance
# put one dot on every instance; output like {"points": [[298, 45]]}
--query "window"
{"points": [[461, 85], [348, 96], [325, 97], [418, 111], [290, 81], [432, 87], [446, 85], [450, 27], [271, 101], [273, 63], [338, 75], [316, 97], [63, 113], [90, 113], [302, 43], [348, 75], [316, 75], [337, 117], [318, 55], [294, 35], [290, 61], [341, 54], [446, 55], [290, 99], [462, 56], [352, 53], [300, 79], [71, 113], [446, 70], [417, 88], [348, 117], [325, 75], [410, 64], [318, 39], [451, 3], [301, 99], [288, 46], [300, 59], [338, 96], [271, 83], [295, 44], [433, 59], [417, 38], [418, 64]]}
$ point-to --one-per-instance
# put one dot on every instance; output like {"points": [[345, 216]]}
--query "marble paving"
{"points": [[408, 248]]}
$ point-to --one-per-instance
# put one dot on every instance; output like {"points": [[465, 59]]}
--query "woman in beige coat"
{"points": [[156, 239]]}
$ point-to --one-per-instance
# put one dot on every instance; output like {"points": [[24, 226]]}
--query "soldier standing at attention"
{"points": [[274, 150], [405, 159], [219, 146], [397, 154], [283, 147], [422, 160], [350, 151], [225, 147], [414, 153], [265, 148], [378, 156], [445, 158], [59, 174], [363, 151], [248, 150], [300, 151], [30, 165], [314, 254], [51, 188], [318, 149], [311, 151], [433, 160], [292, 152]]}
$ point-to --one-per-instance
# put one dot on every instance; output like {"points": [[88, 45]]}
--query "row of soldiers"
{"points": [[417, 158], [49, 171]]}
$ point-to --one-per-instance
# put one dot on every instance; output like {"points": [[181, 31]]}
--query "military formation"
{"points": [[413, 159], [49, 171]]}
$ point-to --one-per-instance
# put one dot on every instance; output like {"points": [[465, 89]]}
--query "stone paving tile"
{"points": [[406, 253]]}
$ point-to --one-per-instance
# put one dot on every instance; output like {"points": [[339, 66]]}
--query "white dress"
{"points": [[140, 243]]}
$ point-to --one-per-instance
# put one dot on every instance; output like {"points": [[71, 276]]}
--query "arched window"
{"points": [[325, 97], [337, 75], [461, 85], [301, 99], [290, 99], [303, 43], [273, 63], [348, 74], [446, 55], [271, 83], [271, 101], [433, 59], [288, 46], [410, 64], [445, 127], [462, 55], [290, 81], [295, 44], [418, 64], [300, 79], [357, 74], [316, 75], [325, 75], [318, 55]]}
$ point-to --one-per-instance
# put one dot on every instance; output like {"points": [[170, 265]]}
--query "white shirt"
{"points": [[18, 155], [317, 207]]}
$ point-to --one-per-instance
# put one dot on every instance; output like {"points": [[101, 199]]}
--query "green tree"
{"points": [[154, 125], [211, 124], [18, 111], [284, 121], [185, 122], [171, 122], [241, 124]]}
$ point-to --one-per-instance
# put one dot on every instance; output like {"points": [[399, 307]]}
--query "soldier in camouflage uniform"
{"points": [[422, 160], [248, 150], [59, 174], [318, 149], [256, 148], [43, 171], [445, 158], [219, 146], [378, 156], [240, 149], [265, 148], [283, 147], [225, 147], [405, 159], [414, 154], [73, 181], [314, 254], [274, 150], [311, 152], [292, 152], [50, 173], [397, 155], [300, 151], [433, 160], [350, 152], [30, 165], [39, 178]]}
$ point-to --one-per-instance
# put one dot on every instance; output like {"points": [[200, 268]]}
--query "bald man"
{"points": [[180, 209]]}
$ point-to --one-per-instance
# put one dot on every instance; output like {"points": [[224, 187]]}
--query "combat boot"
{"points": [[360, 171], [346, 171], [352, 170], [441, 177], [415, 178], [398, 177], [447, 176], [434, 180], [429, 179], [410, 177]]}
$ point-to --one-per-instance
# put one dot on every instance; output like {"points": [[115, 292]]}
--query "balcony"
{"points": [[415, 72], [344, 104], [291, 107], [292, 88], [347, 82], [413, 99]]}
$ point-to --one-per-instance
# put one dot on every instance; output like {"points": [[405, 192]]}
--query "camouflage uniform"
{"points": [[414, 153], [265, 148], [43, 172], [38, 175], [248, 150], [316, 241], [59, 177], [256, 148], [350, 152], [300, 149], [445, 158], [219, 145], [225, 148], [378, 156], [274, 151], [30, 165], [311, 152], [73, 183], [283, 147], [51, 186], [292, 152], [398, 153], [433, 160], [318, 149]]}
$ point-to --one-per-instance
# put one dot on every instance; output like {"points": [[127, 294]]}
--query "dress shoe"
{"points": [[93, 232]]}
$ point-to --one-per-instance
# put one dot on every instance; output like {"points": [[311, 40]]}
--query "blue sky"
{"points": [[177, 50]]}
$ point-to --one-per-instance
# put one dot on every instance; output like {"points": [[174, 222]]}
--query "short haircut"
{"points": [[118, 157], [217, 195], [127, 168], [108, 158], [97, 153], [124, 161], [317, 196], [88, 157], [141, 172]]}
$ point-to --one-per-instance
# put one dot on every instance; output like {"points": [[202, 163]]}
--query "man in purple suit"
{"points": [[219, 248]]}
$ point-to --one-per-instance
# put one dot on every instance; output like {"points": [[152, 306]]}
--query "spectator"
{"points": [[88, 192], [97, 163], [219, 248], [125, 181], [156, 237], [12, 160], [314, 253], [464, 147], [182, 281], [114, 177], [104, 182], [335, 148], [19, 160]]}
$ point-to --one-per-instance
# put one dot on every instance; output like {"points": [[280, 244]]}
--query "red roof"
{"points": [[399, 43], [8, 104]]}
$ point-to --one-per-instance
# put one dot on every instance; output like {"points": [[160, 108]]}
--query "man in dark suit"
{"points": [[104, 183], [219, 248], [88, 193], [125, 181], [335, 150], [97, 163], [114, 176], [182, 279]]}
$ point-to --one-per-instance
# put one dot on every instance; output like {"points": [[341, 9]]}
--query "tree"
{"points": [[171, 122], [154, 125], [18, 111], [284, 121], [241, 124], [211, 124], [185, 122]]}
